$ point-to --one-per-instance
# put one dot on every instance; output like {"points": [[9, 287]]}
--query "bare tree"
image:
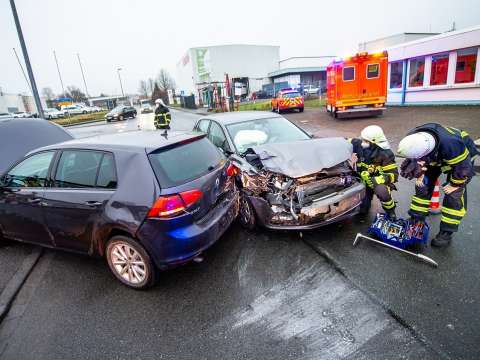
{"points": [[48, 93], [165, 81], [76, 94], [143, 88], [151, 85]]}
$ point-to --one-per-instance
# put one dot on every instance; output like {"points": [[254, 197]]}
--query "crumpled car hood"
{"points": [[305, 157]]}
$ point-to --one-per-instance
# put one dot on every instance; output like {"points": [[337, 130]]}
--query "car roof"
{"points": [[20, 136], [241, 116], [134, 141]]}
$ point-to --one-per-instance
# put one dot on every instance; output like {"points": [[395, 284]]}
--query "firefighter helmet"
{"points": [[417, 145], [159, 102], [375, 135]]}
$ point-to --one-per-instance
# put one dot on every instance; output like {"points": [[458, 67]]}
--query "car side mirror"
{"points": [[312, 135]]}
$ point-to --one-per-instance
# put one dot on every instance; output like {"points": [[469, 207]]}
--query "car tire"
{"points": [[300, 109], [246, 216], [130, 263]]}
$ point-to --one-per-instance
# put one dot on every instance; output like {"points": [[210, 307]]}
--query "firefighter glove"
{"points": [[365, 175], [410, 169]]}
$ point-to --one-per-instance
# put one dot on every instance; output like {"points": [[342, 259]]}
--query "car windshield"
{"points": [[291, 95], [263, 131]]}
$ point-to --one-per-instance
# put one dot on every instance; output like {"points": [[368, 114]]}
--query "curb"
{"points": [[15, 283], [84, 123]]}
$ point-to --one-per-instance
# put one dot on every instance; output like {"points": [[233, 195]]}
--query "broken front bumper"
{"points": [[321, 212]]}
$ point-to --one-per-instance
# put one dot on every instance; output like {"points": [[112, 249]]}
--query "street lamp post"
{"points": [[120, 79], [59, 74], [33, 84], [83, 75]]}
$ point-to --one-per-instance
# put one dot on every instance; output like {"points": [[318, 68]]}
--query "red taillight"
{"points": [[232, 170], [171, 205]]}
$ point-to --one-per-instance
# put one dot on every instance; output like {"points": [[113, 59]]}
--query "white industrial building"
{"points": [[433, 70], [300, 71], [246, 64], [10, 103]]}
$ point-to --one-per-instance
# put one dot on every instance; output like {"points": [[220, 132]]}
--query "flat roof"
{"points": [[297, 70]]}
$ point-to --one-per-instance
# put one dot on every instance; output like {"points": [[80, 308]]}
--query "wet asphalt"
{"points": [[257, 295]]}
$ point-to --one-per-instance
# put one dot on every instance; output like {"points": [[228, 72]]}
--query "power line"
{"points": [[23, 71]]}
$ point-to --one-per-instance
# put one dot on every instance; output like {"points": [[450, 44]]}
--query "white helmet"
{"points": [[375, 135], [159, 101], [417, 145]]}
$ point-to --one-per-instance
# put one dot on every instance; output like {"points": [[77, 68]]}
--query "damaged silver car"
{"points": [[288, 179]]}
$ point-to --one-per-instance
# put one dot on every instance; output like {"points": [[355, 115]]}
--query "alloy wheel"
{"points": [[128, 263]]}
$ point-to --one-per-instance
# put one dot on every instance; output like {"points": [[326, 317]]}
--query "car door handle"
{"points": [[93, 203]]}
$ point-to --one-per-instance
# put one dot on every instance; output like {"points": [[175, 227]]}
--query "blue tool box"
{"points": [[400, 233]]}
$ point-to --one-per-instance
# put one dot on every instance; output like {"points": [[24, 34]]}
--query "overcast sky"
{"points": [[143, 36]]}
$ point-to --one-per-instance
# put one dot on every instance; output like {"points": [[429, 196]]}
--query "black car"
{"points": [[120, 113], [288, 179], [122, 196]]}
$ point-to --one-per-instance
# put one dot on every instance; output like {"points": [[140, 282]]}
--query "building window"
{"points": [[372, 71], [396, 75], [438, 75], [466, 65], [417, 68], [349, 73]]}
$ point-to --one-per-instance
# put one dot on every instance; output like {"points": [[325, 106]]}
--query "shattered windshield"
{"points": [[263, 131]]}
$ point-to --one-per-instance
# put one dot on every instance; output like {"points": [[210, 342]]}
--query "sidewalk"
{"points": [[200, 111]]}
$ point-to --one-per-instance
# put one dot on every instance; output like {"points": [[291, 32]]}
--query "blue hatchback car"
{"points": [[144, 200]]}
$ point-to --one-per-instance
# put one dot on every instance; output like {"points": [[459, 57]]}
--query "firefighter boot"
{"points": [[443, 239]]}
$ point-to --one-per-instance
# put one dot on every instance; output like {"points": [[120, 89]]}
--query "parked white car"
{"points": [[311, 90], [21, 114], [73, 110], [52, 113]]}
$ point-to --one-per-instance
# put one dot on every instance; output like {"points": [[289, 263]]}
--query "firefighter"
{"points": [[375, 163], [162, 115], [431, 150]]}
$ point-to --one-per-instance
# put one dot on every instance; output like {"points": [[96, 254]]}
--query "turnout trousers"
{"points": [[384, 194], [454, 206]]}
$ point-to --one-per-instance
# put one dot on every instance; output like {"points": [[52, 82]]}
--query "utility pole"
{"points": [[33, 84], [83, 75], [120, 79], [59, 74]]}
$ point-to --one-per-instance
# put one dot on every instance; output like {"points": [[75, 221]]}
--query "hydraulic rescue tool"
{"points": [[398, 235]]}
